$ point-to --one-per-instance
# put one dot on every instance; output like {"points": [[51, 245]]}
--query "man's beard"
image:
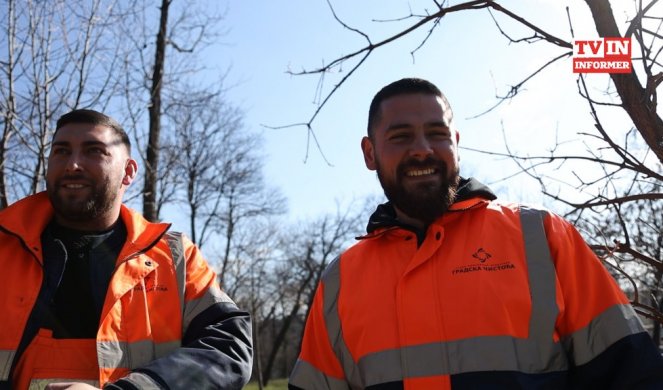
{"points": [[98, 202], [430, 199]]}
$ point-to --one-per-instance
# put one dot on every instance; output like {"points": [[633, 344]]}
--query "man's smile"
{"points": [[420, 172]]}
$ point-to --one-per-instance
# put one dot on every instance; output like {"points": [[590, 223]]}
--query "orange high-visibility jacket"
{"points": [[491, 296], [155, 330]]}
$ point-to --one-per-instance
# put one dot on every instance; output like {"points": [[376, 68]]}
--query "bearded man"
{"points": [[451, 289], [94, 296]]}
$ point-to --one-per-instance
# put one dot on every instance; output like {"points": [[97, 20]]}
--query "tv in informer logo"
{"points": [[604, 55]]}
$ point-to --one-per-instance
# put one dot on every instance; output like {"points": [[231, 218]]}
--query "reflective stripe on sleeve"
{"points": [[193, 307], [331, 286], [119, 354], [196, 306], [142, 381], [306, 376], [541, 274], [40, 384], [6, 357], [176, 245], [609, 327]]}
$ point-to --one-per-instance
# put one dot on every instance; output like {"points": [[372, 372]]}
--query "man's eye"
{"points": [[95, 151], [439, 134], [60, 151], [398, 137]]}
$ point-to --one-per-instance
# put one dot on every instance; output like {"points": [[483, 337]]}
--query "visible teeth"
{"points": [[74, 186], [421, 172]]}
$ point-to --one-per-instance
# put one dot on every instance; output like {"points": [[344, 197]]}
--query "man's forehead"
{"points": [[416, 98], [84, 132], [417, 104]]}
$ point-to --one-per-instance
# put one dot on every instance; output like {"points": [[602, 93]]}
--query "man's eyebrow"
{"points": [[403, 126], [95, 143], [85, 143], [398, 126], [437, 124]]}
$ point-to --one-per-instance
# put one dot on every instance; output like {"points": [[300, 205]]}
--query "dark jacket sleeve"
{"points": [[216, 351], [631, 363], [215, 354], [604, 338]]}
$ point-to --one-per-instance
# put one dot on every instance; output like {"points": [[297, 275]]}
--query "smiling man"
{"points": [[93, 295], [415, 154], [89, 169], [451, 289]]}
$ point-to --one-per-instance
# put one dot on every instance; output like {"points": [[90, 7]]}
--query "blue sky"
{"points": [[466, 57]]}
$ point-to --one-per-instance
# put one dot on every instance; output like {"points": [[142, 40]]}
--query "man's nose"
{"points": [[421, 147], [74, 163]]}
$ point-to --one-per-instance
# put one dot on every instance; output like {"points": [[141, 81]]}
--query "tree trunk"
{"points": [[152, 154], [287, 322], [257, 345], [278, 341], [636, 100], [10, 113], [656, 334], [657, 302], [230, 231]]}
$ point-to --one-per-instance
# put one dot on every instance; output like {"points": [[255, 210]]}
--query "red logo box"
{"points": [[605, 55]]}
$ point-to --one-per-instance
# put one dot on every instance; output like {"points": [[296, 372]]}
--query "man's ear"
{"points": [[457, 141], [369, 153], [130, 171]]}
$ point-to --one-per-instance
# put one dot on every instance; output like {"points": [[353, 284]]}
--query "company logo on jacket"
{"points": [[150, 285], [483, 256]]}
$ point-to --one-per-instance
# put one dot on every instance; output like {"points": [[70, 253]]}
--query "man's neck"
{"points": [[406, 219], [96, 225]]}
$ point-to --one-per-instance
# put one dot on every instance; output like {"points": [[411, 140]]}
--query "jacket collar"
{"points": [[28, 217], [141, 234], [470, 192]]}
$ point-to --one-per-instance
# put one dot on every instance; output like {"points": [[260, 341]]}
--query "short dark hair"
{"points": [[401, 87], [94, 118]]}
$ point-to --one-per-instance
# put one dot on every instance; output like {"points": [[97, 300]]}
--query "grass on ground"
{"points": [[274, 384]]}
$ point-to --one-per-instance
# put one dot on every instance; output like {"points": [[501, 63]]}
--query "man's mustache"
{"points": [[76, 178]]}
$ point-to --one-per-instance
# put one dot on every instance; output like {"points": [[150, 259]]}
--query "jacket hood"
{"points": [[385, 214]]}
